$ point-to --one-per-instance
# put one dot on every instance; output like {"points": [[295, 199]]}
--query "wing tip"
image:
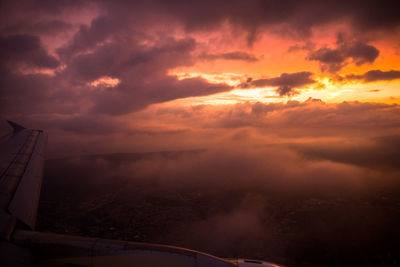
{"points": [[16, 127]]}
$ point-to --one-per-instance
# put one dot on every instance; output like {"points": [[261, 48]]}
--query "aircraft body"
{"points": [[21, 174]]}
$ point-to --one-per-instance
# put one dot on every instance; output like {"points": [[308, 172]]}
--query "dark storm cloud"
{"points": [[142, 73], [252, 16], [130, 61], [378, 75], [47, 27], [374, 76], [236, 55], [330, 59], [42, 6], [334, 59], [139, 61], [25, 49], [26, 94], [125, 99], [88, 37], [39, 17], [287, 83]]}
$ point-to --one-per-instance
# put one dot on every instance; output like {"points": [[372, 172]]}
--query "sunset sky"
{"points": [[275, 123], [109, 76]]}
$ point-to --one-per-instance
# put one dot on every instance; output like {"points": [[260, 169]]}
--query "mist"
{"points": [[281, 202]]}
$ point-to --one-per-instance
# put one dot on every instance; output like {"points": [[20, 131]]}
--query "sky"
{"points": [[260, 96], [118, 76]]}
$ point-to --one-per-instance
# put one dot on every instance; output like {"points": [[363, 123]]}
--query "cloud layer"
{"points": [[333, 60], [286, 83], [374, 76], [53, 53], [235, 55]]}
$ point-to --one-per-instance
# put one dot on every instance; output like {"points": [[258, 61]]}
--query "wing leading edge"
{"points": [[21, 172]]}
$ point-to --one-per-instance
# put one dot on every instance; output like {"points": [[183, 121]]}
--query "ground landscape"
{"points": [[309, 228]]}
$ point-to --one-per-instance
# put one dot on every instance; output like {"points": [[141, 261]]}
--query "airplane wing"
{"points": [[21, 172]]}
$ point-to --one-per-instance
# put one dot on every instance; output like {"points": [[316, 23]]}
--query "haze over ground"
{"points": [[280, 113]]}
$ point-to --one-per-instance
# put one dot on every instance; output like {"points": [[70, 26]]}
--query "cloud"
{"points": [[311, 117], [374, 76], [236, 55], [287, 83], [127, 43], [263, 170], [164, 127], [238, 226], [27, 94], [334, 59], [25, 49], [96, 51], [255, 16], [297, 47], [257, 200], [228, 167], [142, 71], [308, 119], [89, 36], [379, 152], [45, 27], [252, 17]]}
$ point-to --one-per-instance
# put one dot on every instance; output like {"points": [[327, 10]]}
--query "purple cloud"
{"points": [[286, 83]]}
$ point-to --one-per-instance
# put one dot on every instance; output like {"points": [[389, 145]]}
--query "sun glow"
{"points": [[325, 88]]}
